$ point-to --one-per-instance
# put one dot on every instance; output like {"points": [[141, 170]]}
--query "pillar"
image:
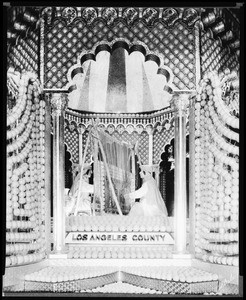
{"points": [[80, 145], [192, 216], [179, 104], [48, 170], [58, 105], [150, 132]]}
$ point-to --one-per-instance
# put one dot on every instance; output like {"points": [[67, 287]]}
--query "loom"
{"points": [[114, 172]]}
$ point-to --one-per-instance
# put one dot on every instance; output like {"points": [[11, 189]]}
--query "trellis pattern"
{"points": [[90, 148], [144, 147], [125, 136], [160, 139], [214, 57], [72, 141], [63, 44]]}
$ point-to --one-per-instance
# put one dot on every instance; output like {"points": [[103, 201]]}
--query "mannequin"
{"points": [[151, 202], [83, 204]]}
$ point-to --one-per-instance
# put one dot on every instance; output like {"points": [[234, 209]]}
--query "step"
{"points": [[156, 279]]}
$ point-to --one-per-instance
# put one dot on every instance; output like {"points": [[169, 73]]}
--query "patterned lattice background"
{"points": [[24, 55], [132, 138], [160, 139], [72, 141], [63, 44], [90, 148], [214, 57]]}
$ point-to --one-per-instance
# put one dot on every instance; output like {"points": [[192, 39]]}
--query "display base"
{"points": [[181, 256], [93, 276], [71, 285], [170, 286], [120, 262], [57, 256], [166, 286]]}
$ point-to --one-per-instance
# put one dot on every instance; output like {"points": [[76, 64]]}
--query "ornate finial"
{"points": [[69, 14], [59, 102], [90, 14], [130, 14], [81, 129], [149, 129], [72, 126], [149, 15], [109, 14], [180, 103], [170, 16]]}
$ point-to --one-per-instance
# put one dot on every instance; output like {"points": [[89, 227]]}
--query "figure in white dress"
{"points": [[151, 202], [83, 204]]}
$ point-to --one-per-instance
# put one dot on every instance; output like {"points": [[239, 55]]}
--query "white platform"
{"points": [[228, 273], [182, 256], [57, 256], [120, 262]]}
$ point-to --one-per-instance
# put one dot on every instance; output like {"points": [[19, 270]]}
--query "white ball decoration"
{"points": [[8, 261], [235, 262], [222, 191], [229, 260]]}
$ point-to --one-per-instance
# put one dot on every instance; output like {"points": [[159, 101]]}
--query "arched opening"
{"points": [[167, 166], [68, 169], [121, 78], [167, 177]]}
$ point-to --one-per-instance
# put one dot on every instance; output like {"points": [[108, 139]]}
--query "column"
{"points": [[58, 105], [191, 173], [150, 132], [80, 145], [48, 170], [179, 104]]}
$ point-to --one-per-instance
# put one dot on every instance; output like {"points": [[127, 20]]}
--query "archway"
{"points": [[68, 169], [167, 165]]}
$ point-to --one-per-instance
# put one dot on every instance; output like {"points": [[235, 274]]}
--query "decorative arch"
{"points": [[129, 47], [71, 141], [168, 144], [165, 149], [68, 150], [166, 176], [68, 168]]}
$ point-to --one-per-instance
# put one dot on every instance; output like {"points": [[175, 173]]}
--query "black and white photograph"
{"points": [[122, 150]]}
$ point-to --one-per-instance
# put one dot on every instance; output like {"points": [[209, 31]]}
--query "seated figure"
{"points": [[83, 204], [151, 202]]}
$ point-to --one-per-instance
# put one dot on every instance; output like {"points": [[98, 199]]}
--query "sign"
{"points": [[133, 238]]}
